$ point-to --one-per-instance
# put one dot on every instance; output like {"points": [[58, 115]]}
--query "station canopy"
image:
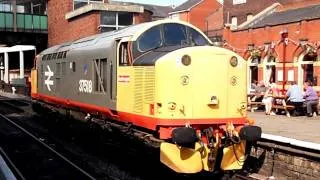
{"points": [[17, 48]]}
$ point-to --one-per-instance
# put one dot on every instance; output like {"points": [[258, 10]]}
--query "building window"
{"points": [[115, 20], [6, 6], [32, 7], [234, 21], [175, 16], [249, 16], [235, 2], [79, 3]]}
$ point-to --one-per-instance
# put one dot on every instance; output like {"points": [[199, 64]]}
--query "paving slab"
{"points": [[301, 128]]}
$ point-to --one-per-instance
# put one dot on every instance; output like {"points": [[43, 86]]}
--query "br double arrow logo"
{"points": [[48, 81]]}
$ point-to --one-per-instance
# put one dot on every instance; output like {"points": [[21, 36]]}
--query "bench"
{"points": [[286, 108], [253, 104]]}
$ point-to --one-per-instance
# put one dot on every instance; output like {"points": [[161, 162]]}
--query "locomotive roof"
{"points": [[133, 31]]}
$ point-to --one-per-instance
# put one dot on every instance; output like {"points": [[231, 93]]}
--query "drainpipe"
{"points": [[284, 37], [14, 11]]}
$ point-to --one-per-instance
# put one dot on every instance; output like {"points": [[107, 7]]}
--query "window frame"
{"points": [[116, 25], [160, 27]]}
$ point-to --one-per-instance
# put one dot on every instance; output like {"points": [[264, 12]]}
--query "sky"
{"points": [[157, 2]]}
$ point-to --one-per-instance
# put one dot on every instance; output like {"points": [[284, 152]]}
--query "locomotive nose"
{"points": [[206, 81]]}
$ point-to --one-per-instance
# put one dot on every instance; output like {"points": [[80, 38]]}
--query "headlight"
{"points": [[186, 60], [234, 61]]}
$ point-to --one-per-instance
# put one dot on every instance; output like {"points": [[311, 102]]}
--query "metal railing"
{"points": [[24, 22]]}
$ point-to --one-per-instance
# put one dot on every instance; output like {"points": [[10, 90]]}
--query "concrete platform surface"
{"points": [[300, 128]]}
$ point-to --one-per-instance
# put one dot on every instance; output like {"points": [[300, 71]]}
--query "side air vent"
{"points": [[144, 87]]}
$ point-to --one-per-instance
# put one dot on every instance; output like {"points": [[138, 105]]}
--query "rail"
{"points": [[47, 146]]}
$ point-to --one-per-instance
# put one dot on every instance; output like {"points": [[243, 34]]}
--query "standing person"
{"points": [[311, 97], [268, 99]]}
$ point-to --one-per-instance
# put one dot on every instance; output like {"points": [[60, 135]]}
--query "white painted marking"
{"points": [[48, 81], [295, 142], [85, 86]]}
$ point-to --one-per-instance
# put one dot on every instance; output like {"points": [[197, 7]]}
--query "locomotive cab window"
{"points": [[123, 54], [197, 39], [175, 34], [151, 39]]}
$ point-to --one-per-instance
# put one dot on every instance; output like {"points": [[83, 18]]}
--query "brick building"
{"points": [[73, 19], [196, 12], [235, 13], [281, 45]]}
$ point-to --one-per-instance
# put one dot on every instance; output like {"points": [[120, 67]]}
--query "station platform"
{"points": [[301, 128]]}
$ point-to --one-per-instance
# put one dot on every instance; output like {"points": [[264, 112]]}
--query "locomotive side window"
{"points": [[100, 79], [175, 34], [151, 39], [123, 55], [73, 66]]}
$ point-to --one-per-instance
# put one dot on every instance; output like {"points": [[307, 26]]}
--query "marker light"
{"points": [[172, 106], [234, 61], [186, 60]]}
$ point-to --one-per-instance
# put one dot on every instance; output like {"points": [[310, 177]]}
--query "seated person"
{"points": [[311, 97], [259, 92], [295, 97], [253, 85]]}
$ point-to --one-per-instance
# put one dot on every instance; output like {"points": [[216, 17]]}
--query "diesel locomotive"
{"points": [[164, 77]]}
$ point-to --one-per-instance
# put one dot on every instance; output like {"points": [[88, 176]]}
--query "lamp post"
{"points": [[284, 40]]}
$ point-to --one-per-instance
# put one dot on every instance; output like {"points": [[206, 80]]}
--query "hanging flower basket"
{"points": [[255, 53]]}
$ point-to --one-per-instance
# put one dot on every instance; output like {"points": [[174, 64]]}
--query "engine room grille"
{"points": [[144, 87]]}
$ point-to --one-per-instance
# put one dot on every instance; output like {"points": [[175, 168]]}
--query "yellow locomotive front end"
{"points": [[203, 88], [201, 84]]}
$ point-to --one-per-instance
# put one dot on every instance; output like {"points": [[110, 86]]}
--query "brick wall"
{"points": [[142, 17], [199, 13], [260, 36], [256, 6], [241, 10], [215, 23], [282, 164], [298, 4], [240, 40], [184, 16], [61, 30]]}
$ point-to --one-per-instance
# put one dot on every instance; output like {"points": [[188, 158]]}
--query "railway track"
{"points": [[32, 157], [15, 108]]}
